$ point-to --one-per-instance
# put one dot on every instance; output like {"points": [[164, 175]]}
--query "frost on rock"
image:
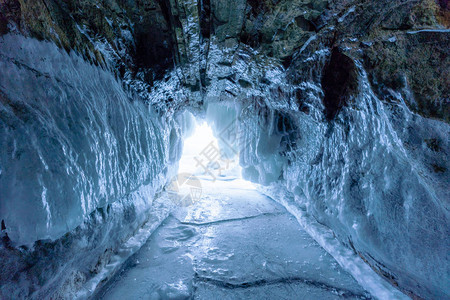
{"points": [[74, 140]]}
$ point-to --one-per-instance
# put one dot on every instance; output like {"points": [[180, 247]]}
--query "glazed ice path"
{"points": [[234, 243]]}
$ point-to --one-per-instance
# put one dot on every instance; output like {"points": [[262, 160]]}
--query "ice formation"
{"points": [[337, 109], [363, 176], [62, 129], [364, 180]]}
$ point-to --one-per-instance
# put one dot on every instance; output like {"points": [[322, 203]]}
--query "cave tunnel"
{"points": [[224, 149]]}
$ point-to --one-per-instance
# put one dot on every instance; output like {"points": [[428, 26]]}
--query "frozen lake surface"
{"points": [[233, 243]]}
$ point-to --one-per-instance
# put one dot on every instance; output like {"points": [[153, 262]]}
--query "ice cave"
{"points": [[224, 149]]}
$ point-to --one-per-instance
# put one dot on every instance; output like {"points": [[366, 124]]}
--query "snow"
{"points": [[345, 15], [306, 44], [430, 31], [392, 39]]}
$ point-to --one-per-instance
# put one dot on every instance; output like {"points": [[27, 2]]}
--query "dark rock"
{"points": [[204, 12], [443, 4], [154, 46], [137, 35], [339, 81], [244, 83], [419, 60], [10, 11]]}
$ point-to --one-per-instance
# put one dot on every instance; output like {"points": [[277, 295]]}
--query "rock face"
{"points": [[123, 33], [353, 96], [143, 40]]}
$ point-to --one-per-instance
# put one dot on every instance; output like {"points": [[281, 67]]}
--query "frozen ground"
{"points": [[233, 243]]}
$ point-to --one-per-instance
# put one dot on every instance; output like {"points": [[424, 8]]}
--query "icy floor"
{"points": [[234, 243]]}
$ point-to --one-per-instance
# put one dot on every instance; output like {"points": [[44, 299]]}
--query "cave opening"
{"points": [[202, 155], [207, 164]]}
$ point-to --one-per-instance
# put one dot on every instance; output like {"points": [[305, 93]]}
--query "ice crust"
{"points": [[234, 243], [73, 140]]}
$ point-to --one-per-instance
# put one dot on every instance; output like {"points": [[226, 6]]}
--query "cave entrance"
{"points": [[208, 166], [205, 157], [223, 232]]}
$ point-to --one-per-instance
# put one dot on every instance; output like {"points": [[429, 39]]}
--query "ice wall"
{"points": [[73, 140], [377, 175]]}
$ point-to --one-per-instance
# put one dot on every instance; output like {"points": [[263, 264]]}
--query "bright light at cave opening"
{"points": [[201, 138], [201, 157]]}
